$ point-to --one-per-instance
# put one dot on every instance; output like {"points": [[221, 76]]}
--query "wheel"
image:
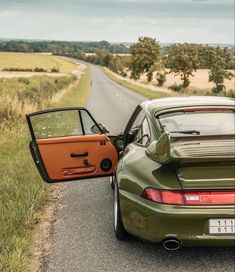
{"points": [[111, 181], [119, 229]]}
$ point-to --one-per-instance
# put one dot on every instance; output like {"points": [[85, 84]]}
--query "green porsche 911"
{"points": [[172, 169]]}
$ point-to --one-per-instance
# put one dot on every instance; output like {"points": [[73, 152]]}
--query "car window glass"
{"points": [[206, 122], [61, 123], [138, 121], [88, 123], [56, 124], [143, 136]]}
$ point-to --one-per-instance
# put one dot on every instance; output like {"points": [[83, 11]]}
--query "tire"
{"points": [[119, 230]]}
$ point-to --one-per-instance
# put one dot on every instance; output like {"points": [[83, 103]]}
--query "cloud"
{"points": [[212, 2], [119, 20], [199, 0]]}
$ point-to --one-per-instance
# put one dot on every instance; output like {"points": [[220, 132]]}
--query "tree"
{"points": [[161, 78], [183, 61], [79, 55], [120, 64], [145, 56], [218, 75], [103, 57], [217, 59]]}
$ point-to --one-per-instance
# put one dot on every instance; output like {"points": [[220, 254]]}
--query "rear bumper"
{"points": [[155, 222]]}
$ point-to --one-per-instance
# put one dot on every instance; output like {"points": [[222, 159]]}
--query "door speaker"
{"points": [[106, 165]]}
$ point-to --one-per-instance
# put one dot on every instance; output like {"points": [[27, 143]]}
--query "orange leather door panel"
{"points": [[75, 157]]}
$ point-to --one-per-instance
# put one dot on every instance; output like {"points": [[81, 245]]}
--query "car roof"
{"points": [[152, 106]]}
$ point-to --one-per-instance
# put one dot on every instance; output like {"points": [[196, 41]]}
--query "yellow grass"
{"points": [[31, 61]]}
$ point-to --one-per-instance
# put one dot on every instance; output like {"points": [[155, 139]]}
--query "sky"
{"points": [[196, 21]]}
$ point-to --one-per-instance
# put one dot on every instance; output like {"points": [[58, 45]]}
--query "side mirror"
{"points": [[130, 137], [117, 141], [120, 142], [96, 129]]}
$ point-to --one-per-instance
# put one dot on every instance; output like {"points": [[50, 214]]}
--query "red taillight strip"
{"points": [[189, 197], [210, 198]]}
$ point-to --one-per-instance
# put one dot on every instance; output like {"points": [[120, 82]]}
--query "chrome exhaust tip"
{"points": [[171, 244]]}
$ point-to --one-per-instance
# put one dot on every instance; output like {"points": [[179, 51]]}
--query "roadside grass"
{"points": [[20, 95], [22, 195], [79, 94], [32, 61], [22, 192], [145, 91]]}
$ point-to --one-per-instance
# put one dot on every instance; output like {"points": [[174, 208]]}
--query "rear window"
{"points": [[198, 121]]}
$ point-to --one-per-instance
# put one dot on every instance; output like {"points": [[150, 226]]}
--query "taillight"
{"points": [[209, 198], [166, 197], [189, 198]]}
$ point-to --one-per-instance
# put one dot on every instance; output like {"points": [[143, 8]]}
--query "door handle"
{"points": [[75, 155]]}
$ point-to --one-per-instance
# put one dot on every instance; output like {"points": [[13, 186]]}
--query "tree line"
{"points": [[148, 57], [60, 47], [143, 57]]}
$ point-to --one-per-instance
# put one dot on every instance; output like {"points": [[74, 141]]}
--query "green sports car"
{"points": [[172, 169]]}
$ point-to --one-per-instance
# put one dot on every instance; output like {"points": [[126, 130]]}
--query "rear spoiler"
{"points": [[191, 149]]}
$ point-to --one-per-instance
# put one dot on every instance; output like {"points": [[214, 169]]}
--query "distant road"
{"points": [[83, 238]]}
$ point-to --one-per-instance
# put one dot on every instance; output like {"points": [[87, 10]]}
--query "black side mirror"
{"points": [[130, 137]]}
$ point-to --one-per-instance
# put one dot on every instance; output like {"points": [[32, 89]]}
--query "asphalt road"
{"points": [[82, 236]]}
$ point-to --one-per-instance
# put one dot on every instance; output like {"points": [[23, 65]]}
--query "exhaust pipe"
{"points": [[172, 244]]}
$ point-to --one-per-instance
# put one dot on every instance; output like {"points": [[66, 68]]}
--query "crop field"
{"points": [[23, 194], [198, 80], [32, 61], [152, 91], [199, 84]]}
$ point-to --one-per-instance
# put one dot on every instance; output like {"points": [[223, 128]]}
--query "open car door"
{"points": [[68, 144]]}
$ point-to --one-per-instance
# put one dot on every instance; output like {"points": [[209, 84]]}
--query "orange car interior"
{"points": [[78, 156]]}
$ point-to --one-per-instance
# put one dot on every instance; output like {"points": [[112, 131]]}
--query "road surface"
{"points": [[82, 236]]}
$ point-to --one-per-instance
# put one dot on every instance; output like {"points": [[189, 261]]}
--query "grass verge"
{"points": [[22, 191], [20, 95], [78, 95], [145, 91]]}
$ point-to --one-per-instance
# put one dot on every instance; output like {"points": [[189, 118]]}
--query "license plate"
{"points": [[221, 226]]}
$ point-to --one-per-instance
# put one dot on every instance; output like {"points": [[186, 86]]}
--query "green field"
{"points": [[32, 60], [23, 193]]}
